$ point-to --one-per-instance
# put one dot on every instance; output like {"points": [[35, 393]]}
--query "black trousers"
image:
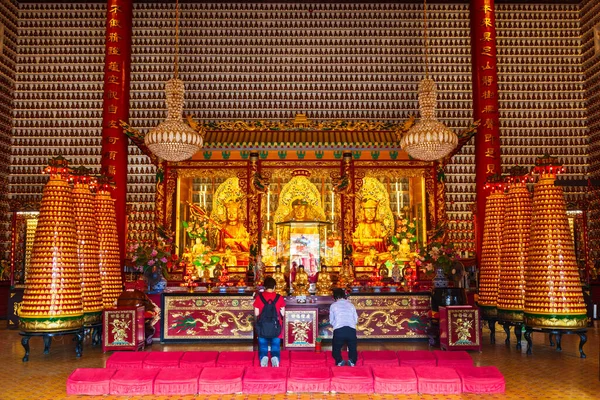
{"points": [[344, 336]]}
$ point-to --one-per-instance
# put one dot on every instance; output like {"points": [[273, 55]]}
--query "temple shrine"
{"points": [[439, 163]]}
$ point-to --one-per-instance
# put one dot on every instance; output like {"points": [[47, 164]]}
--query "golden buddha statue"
{"points": [[229, 259], [372, 259], [233, 233], [197, 250], [301, 211], [301, 282], [324, 282], [346, 276], [280, 282], [404, 248], [370, 232]]}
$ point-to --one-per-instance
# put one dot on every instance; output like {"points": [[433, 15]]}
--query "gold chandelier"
{"points": [[174, 140], [428, 139]]}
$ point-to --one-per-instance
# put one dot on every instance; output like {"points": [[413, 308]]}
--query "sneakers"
{"points": [[275, 362], [350, 363], [264, 362], [341, 363]]}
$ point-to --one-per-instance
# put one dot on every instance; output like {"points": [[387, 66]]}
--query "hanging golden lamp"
{"points": [[174, 140], [428, 139]]}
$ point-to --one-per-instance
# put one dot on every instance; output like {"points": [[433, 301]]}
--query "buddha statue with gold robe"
{"points": [[233, 233], [370, 232], [280, 282], [346, 276], [324, 282], [301, 282]]}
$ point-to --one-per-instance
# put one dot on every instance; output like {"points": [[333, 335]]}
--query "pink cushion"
{"points": [[437, 380], [90, 381], [133, 381], [217, 380], [481, 379], [385, 357], [394, 380], [259, 380], [235, 359], [198, 359], [122, 359], [453, 358], [416, 357], [163, 359], [352, 380], [315, 379], [307, 359], [176, 381], [331, 360]]}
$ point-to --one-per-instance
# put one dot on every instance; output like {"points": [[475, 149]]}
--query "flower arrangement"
{"points": [[157, 257], [405, 229], [436, 255]]}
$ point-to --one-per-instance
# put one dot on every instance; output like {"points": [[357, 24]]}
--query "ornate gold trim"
{"points": [[209, 164], [215, 171]]}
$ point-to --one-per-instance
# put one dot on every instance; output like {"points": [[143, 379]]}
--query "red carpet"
{"points": [[180, 373]]}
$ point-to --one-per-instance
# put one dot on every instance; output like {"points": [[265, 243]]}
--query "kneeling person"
{"points": [[269, 308], [343, 318]]}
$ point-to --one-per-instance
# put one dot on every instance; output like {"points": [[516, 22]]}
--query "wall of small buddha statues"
{"points": [[269, 61]]}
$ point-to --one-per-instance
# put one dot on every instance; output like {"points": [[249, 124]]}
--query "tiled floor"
{"points": [[545, 375]]}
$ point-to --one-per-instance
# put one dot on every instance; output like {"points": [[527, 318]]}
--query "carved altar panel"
{"points": [[460, 328], [300, 329], [205, 316]]}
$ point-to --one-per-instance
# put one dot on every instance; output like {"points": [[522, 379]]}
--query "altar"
{"points": [[201, 316]]}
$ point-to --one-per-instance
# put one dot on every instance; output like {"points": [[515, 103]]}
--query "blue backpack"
{"points": [[268, 325]]}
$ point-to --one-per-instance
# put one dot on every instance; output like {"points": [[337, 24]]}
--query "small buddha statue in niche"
{"points": [[404, 248], [346, 276], [384, 272], [372, 259], [229, 259], [301, 282], [280, 283], [324, 283]]}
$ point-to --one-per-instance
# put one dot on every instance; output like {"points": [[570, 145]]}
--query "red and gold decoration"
{"points": [[459, 328], [117, 66], [489, 274], [300, 330], [87, 245], [515, 244], [110, 261], [553, 293], [52, 299], [123, 329], [485, 106], [194, 316]]}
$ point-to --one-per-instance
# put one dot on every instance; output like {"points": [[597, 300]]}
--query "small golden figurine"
{"points": [[346, 276], [280, 283], [301, 282], [324, 283]]}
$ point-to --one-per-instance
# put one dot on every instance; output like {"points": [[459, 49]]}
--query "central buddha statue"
{"points": [[324, 282], [370, 232], [301, 282], [233, 232]]}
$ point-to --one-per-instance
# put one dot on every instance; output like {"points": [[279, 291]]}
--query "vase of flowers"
{"points": [[435, 260], [154, 261]]}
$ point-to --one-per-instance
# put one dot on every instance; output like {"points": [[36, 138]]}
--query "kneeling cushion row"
{"points": [[316, 379], [171, 381], [453, 359], [394, 380], [438, 380], [198, 359], [133, 381], [351, 379], [481, 379], [387, 357], [235, 359], [216, 380], [307, 359], [122, 360], [90, 381], [259, 380], [163, 359]]}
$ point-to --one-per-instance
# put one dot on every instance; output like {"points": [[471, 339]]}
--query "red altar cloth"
{"points": [[90, 381], [259, 380], [394, 380]]}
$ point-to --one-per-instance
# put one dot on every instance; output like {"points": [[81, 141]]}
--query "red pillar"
{"points": [[485, 105], [116, 106]]}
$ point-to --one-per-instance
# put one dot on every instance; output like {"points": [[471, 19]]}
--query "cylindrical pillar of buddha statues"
{"points": [[108, 245], [489, 272], [52, 299], [87, 246], [553, 291], [515, 244]]}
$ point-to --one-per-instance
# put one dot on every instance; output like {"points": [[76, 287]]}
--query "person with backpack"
{"points": [[343, 318], [269, 309]]}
